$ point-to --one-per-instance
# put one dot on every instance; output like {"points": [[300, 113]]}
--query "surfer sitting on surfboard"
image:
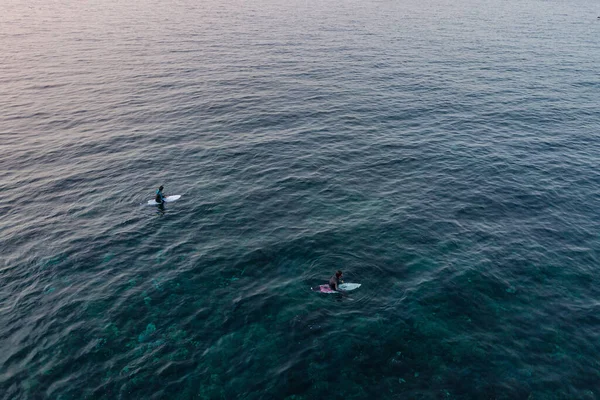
{"points": [[336, 285], [160, 198], [335, 280]]}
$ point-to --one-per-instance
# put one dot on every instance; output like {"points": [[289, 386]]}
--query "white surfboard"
{"points": [[344, 287], [349, 286], [168, 199]]}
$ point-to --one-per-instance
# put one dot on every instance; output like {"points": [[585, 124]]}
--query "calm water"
{"points": [[445, 154]]}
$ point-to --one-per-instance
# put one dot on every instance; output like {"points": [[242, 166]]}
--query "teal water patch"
{"points": [[144, 336], [108, 257]]}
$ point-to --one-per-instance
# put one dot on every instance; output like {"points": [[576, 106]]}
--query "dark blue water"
{"points": [[445, 154]]}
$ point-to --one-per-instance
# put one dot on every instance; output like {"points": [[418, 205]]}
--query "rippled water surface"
{"points": [[445, 154]]}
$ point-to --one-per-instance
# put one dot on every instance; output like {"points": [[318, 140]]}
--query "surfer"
{"points": [[160, 198], [335, 280]]}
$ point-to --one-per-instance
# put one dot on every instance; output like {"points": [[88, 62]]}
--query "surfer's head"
{"points": [[161, 188], [338, 273]]}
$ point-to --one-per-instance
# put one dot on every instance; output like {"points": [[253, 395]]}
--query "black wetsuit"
{"points": [[159, 197], [333, 281]]}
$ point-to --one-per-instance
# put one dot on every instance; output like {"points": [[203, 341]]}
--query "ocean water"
{"points": [[445, 154]]}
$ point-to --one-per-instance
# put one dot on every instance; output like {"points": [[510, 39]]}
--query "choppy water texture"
{"points": [[442, 153]]}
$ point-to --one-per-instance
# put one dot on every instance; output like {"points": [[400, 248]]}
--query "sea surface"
{"points": [[444, 154]]}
